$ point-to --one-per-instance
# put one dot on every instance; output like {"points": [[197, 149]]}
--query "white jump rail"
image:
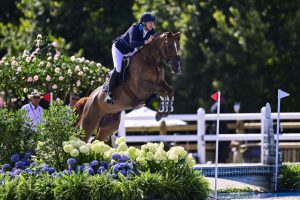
{"points": [[201, 117]]}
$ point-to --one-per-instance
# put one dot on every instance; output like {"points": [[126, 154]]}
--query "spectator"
{"points": [[73, 99], [2, 100], [33, 109]]}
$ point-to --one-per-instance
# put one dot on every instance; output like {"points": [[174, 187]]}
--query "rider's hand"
{"points": [[149, 39]]}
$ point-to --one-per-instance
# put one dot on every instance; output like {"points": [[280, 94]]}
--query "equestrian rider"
{"points": [[136, 36]]}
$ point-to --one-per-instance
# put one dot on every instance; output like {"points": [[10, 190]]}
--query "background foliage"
{"points": [[246, 49]]}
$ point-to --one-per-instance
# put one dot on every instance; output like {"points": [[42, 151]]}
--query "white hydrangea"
{"points": [[141, 160], [122, 147], [152, 147], [190, 161], [84, 149], [108, 154], [120, 140], [179, 151], [172, 156], [68, 148], [133, 152], [149, 156], [100, 147], [74, 153], [160, 154]]}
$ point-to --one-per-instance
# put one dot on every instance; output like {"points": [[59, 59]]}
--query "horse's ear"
{"points": [[176, 35]]}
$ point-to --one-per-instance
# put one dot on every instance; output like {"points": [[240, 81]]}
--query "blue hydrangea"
{"points": [[116, 157], [100, 170], [124, 158], [130, 165], [16, 172], [71, 161], [114, 175], [4, 167], [104, 164], [109, 166], [94, 163], [28, 155], [130, 172], [90, 171], [15, 158], [20, 165], [123, 171], [51, 170], [33, 164], [44, 168], [122, 165], [79, 167], [117, 167]]}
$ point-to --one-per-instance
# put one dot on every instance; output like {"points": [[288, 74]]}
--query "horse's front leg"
{"points": [[166, 100], [169, 98], [152, 88]]}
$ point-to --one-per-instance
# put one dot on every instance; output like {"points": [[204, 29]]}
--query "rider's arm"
{"points": [[135, 39]]}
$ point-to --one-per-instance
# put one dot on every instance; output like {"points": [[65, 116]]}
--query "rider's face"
{"points": [[149, 25]]}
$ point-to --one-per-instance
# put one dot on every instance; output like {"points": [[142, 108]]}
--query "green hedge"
{"points": [[289, 177], [84, 186]]}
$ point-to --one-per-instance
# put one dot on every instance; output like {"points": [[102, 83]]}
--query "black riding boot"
{"points": [[111, 85]]}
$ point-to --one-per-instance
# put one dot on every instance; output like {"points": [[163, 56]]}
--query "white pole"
{"points": [[200, 134], [122, 128], [262, 128], [277, 143], [217, 146]]}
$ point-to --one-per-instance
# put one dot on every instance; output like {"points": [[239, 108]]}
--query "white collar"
{"points": [[144, 32]]}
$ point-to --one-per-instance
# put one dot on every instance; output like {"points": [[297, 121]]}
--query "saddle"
{"points": [[122, 75]]}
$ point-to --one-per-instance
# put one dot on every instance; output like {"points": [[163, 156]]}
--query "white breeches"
{"points": [[118, 57]]}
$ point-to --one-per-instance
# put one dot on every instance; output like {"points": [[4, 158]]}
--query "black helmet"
{"points": [[147, 17]]}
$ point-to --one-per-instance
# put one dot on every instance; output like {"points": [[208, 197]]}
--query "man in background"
{"points": [[33, 109]]}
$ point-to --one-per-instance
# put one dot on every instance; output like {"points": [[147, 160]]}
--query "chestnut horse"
{"points": [[144, 77]]}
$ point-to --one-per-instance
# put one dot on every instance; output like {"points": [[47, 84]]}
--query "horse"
{"points": [[144, 77]]}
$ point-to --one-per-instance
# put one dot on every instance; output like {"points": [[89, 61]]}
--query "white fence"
{"points": [[201, 117]]}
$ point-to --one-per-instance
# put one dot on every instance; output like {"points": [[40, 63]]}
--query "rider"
{"points": [[136, 36]]}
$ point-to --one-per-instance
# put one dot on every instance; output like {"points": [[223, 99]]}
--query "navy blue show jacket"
{"points": [[132, 38]]}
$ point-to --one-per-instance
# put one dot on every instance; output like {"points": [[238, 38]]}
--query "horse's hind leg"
{"points": [[90, 121], [108, 126]]}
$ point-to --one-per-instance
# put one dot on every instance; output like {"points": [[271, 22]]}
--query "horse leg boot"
{"points": [[111, 85]]}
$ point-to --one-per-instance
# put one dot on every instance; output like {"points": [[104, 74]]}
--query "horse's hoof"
{"points": [[157, 117]]}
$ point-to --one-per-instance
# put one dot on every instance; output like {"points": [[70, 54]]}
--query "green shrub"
{"points": [[25, 188], [8, 190], [57, 127], [16, 136], [71, 187], [43, 187], [289, 177]]}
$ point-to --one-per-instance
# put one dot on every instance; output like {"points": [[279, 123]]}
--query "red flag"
{"points": [[215, 96], [48, 97]]}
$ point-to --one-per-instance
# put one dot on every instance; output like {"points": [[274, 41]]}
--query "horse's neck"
{"points": [[151, 53]]}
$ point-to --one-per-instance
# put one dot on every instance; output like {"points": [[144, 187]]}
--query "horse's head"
{"points": [[170, 49]]}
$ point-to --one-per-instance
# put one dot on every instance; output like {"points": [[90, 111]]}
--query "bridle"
{"points": [[163, 53]]}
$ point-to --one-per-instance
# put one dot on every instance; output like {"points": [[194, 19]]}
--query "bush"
{"points": [[289, 177], [82, 186], [16, 136], [44, 68], [57, 127]]}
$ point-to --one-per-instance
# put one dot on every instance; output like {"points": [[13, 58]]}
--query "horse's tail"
{"points": [[79, 108]]}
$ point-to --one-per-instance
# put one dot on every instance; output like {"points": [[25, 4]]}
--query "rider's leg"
{"points": [[117, 59], [112, 83]]}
